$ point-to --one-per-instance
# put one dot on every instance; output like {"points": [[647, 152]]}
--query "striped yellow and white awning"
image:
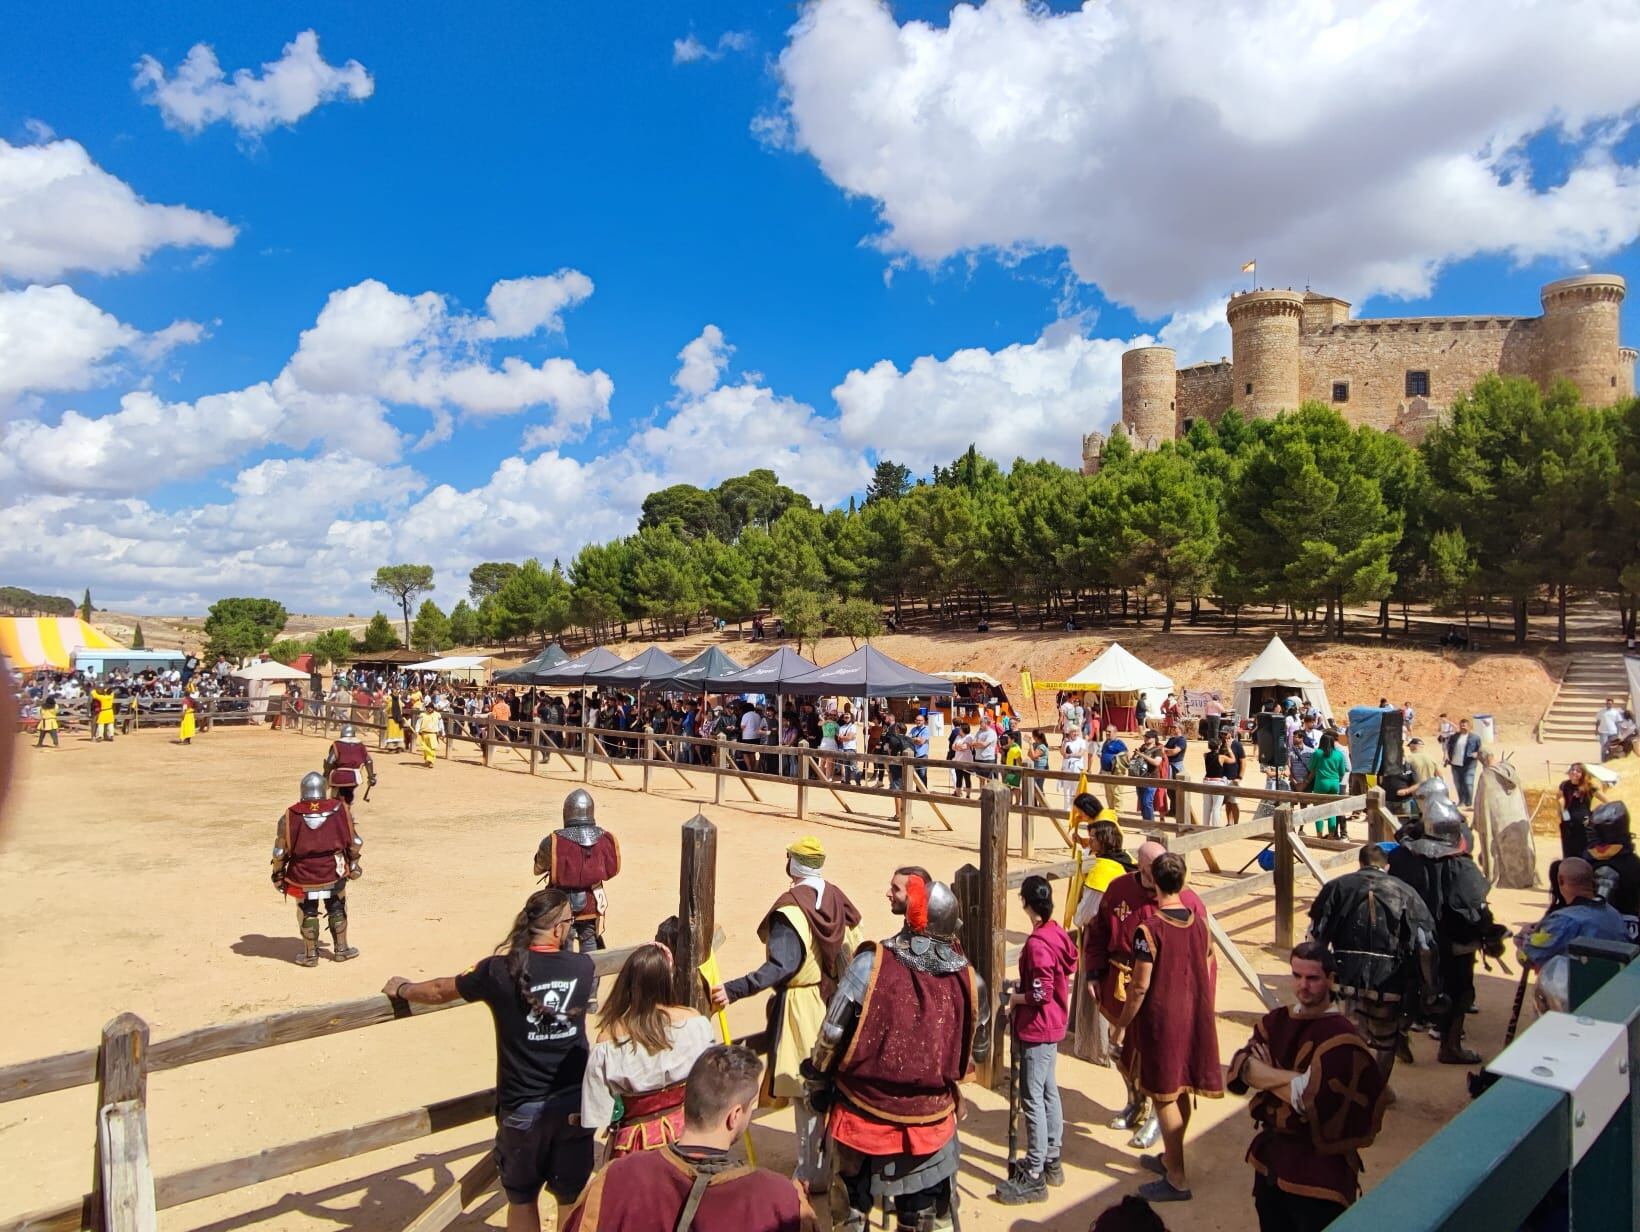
{"points": [[33, 642]]}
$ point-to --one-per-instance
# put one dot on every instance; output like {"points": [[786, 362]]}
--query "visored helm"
{"points": [[578, 808], [313, 786], [347, 731], [1436, 805], [1609, 825]]}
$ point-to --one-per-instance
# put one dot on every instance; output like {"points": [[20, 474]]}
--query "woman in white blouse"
{"points": [[644, 1051]]}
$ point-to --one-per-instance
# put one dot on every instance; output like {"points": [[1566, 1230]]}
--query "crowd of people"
{"points": [[111, 703]]}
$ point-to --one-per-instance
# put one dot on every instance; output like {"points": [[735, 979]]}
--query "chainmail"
{"points": [[582, 835], [924, 953]]}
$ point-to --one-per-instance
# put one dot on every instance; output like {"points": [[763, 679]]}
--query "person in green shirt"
{"points": [[1328, 770]]}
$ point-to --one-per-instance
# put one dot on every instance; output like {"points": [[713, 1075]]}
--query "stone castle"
{"points": [[1394, 373]]}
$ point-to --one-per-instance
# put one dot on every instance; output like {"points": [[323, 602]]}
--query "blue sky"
{"points": [[851, 196]]}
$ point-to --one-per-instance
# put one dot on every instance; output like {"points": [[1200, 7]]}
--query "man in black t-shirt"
{"points": [[538, 996]]}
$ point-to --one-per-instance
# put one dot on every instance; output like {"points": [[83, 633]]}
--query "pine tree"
{"points": [[136, 638], [85, 606]]}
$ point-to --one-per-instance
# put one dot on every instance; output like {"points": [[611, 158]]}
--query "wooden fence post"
{"points": [[802, 785], [123, 1179], [1380, 824], [535, 744], [697, 888], [902, 802], [486, 734], [991, 935], [719, 761], [1181, 804], [1282, 847], [648, 747]]}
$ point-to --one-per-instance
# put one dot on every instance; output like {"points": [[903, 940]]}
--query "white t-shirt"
{"points": [[1074, 750], [985, 743], [751, 726], [1607, 721]]}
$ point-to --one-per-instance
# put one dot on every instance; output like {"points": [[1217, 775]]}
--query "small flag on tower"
{"points": [[1250, 267]]}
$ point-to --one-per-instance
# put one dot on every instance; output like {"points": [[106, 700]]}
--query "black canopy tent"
{"points": [[640, 670], [868, 672], [693, 675], [575, 672], [526, 673], [768, 675]]}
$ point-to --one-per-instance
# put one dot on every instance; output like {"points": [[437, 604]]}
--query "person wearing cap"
{"points": [[810, 934], [1422, 765]]}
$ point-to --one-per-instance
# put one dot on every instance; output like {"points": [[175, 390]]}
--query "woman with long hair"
{"points": [[645, 1047], [1578, 796]]}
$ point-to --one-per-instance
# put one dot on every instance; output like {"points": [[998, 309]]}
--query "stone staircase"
{"points": [[1589, 680]]}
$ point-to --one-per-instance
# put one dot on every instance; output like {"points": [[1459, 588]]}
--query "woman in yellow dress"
{"points": [[393, 736], [427, 732], [48, 722], [185, 731]]}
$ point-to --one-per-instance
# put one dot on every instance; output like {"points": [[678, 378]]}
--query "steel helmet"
{"points": [[578, 808], [347, 732], [313, 786]]}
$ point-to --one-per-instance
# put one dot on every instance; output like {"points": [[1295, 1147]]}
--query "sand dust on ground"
{"points": [[133, 876]]}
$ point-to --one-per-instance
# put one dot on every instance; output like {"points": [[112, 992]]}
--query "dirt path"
{"points": [[133, 876]]}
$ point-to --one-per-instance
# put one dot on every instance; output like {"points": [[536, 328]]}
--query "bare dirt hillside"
{"points": [[188, 632]]}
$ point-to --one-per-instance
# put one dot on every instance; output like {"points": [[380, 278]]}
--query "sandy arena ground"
{"points": [[133, 876]]}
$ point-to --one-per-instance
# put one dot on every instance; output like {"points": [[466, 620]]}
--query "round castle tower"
{"points": [[1626, 358], [1149, 387], [1578, 337], [1264, 327]]}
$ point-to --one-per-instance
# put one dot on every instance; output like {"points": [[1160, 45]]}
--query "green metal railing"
{"points": [[1511, 1149]]}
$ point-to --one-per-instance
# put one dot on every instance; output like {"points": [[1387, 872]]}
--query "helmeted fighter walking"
{"points": [[315, 854], [578, 858]]}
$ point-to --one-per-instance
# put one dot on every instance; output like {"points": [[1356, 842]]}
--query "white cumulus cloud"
{"points": [[200, 93], [1357, 144], [689, 49], [60, 211], [703, 362]]}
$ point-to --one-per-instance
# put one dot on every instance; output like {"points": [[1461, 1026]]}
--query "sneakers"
{"points": [[1053, 1172], [1017, 1191]]}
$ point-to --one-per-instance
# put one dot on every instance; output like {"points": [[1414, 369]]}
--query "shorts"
{"points": [[536, 1147]]}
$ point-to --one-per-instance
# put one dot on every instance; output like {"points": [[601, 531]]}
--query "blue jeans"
{"points": [[1463, 778], [1147, 803]]}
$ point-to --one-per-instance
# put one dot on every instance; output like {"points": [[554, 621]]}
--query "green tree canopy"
{"points": [[238, 628], [693, 512], [463, 625], [431, 633], [485, 579], [854, 619], [804, 615], [136, 637], [1156, 522], [379, 635], [534, 601], [756, 498], [85, 606], [889, 481], [404, 583], [334, 647]]}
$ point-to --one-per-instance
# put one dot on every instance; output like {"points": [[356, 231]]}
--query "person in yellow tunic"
{"points": [[1100, 838], [189, 724], [393, 735], [102, 703], [48, 722], [428, 728], [810, 934]]}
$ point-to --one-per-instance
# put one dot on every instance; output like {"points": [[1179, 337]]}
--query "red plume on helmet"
{"points": [[916, 903]]}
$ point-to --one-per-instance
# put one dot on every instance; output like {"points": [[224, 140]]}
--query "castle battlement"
{"points": [[1394, 373]]}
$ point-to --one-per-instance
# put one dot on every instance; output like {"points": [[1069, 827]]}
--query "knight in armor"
{"points": [[810, 934], [348, 764], [1382, 939], [1610, 854], [1433, 857], [1317, 1099], [578, 858], [315, 854], [908, 1019]]}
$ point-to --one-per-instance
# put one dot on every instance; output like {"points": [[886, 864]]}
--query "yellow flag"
{"points": [[1026, 685], [1249, 267], [714, 978]]}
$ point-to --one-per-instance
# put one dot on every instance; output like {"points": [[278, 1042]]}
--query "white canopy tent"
{"points": [[467, 667], [1278, 668], [1117, 671], [260, 677]]}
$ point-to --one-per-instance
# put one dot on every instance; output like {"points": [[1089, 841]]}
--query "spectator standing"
{"points": [[919, 734], [1147, 763], [1328, 770], [1040, 1011], [1173, 1048], [1607, 724], [1073, 751], [962, 751], [1578, 795], [1466, 762], [985, 747], [1217, 763]]}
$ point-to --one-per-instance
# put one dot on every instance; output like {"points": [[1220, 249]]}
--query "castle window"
{"points": [[1249, 389], [1417, 384], [1189, 424], [1341, 391]]}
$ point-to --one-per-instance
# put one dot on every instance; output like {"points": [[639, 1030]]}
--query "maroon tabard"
{"points": [[1314, 1150], [646, 1192], [1107, 942], [913, 1042], [347, 758], [575, 867], [1172, 1047], [318, 855]]}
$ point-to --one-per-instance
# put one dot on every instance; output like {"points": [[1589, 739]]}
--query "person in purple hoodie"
{"points": [[1040, 1011]]}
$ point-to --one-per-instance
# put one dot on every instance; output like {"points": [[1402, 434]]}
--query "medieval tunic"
{"points": [[1313, 1149], [910, 1049], [581, 871], [427, 729], [347, 758], [185, 729], [1172, 1046], [317, 837], [1107, 941], [647, 1191], [824, 924], [638, 1094]]}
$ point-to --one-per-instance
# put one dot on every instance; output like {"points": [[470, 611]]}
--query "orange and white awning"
{"points": [[30, 643]]}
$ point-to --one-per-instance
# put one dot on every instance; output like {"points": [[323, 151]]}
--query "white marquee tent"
{"points": [[260, 677], [1278, 668], [1118, 671]]}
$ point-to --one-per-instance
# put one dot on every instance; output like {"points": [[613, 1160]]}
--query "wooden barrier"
{"points": [[124, 1193]]}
